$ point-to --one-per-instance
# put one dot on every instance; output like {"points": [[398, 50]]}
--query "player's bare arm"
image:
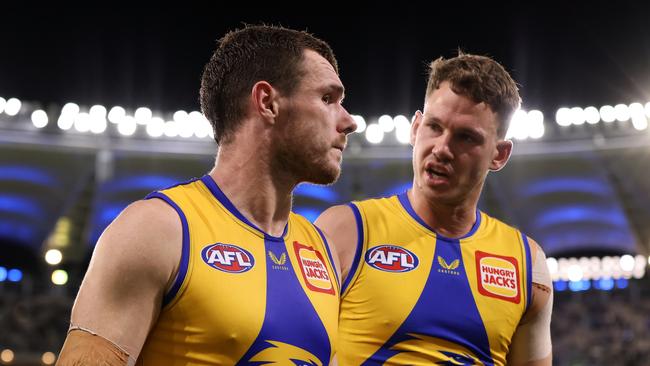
{"points": [[339, 225], [133, 264], [531, 343]]}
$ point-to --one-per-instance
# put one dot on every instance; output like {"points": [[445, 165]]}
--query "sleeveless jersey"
{"points": [[243, 297], [414, 297]]}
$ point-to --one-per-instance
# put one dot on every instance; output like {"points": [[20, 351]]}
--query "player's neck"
{"points": [[246, 178], [452, 221]]}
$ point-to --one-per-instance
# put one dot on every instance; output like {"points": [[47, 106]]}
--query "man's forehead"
{"points": [[314, 58], [318, 69]]}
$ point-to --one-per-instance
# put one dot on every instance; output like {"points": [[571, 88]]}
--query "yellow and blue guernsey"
{"points": [[243, 297], [414, 297]]}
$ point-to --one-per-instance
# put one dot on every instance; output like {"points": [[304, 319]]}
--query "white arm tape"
{"points": [[131, 361], [532, 339], [541, 274]]}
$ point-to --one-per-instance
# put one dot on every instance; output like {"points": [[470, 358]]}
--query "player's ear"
{"points": [[416, 121], [264, 98], [502, 153]]}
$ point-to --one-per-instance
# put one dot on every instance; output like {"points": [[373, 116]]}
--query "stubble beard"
{"points": [[308, 166]]}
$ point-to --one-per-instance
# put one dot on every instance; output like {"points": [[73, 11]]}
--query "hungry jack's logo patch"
{"points": [[498, 276], [313, 268]]}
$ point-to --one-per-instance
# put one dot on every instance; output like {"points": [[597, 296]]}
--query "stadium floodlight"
{"points": [[116, 114], [518, 129], [185, 127], [192, 124], [552, 265], [48, 358], [622, 112], [39, 118], [53, 257], [65, 121], [536, 121], [127, 126], [577, 116], [155, 127], [607, 113], [7, 356], [143, 115], [171, 129], [14, 275], [639, 120], [97, 111], [374, 133], [386, 122], [180, 116], [97, 125], [361, 123], [202, 128], [70, 108], [3, 103], [627, 263], [591, 115], [647, 109], [402, 129], [640, 123], [574, 272], [13, 106], [563, 117], [638, 274], [59, 277], [82, 122]]}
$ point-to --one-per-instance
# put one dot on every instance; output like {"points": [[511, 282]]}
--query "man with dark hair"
{"points": [[427, 277], [218, 270]]}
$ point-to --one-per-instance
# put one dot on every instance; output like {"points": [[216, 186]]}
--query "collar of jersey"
{"points": [[404, 201], [221, 197]]}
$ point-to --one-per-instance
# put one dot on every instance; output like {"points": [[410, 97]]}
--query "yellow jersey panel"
{"points": [[414, 297], [241, 296]]}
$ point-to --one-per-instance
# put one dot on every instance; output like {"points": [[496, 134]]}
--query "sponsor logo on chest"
{"points": [[391, 258], [279, 262], [227, 258], [313, 268], [498, 276], [448, 268]]}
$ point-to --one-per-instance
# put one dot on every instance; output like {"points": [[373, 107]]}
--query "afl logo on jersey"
{"points": [[391, 258], [228, 258]]}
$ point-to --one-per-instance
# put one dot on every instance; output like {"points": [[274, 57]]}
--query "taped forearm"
{"points": [[83, 347]]}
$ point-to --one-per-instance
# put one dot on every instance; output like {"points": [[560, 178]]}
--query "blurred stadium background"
{"points": [[578, 182]]}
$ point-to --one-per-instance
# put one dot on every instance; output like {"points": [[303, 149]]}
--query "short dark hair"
{"points": [[245, 56], [481, 79]]}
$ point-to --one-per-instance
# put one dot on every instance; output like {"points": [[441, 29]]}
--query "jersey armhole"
{"points": [[356, 262], [529, 269], [329, 256], [185, 249]]}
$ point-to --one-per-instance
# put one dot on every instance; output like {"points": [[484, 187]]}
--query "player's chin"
{"points": [[325, 174]]}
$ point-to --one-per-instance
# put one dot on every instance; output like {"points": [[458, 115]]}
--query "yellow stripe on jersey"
{"points": [[239, 291], [418, 298]]}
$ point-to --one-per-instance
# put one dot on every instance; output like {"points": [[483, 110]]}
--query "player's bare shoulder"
{"points": [[148, 234], [339, 225]]}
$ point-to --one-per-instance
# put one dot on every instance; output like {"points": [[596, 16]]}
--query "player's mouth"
{"points": [[437, 175]]}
